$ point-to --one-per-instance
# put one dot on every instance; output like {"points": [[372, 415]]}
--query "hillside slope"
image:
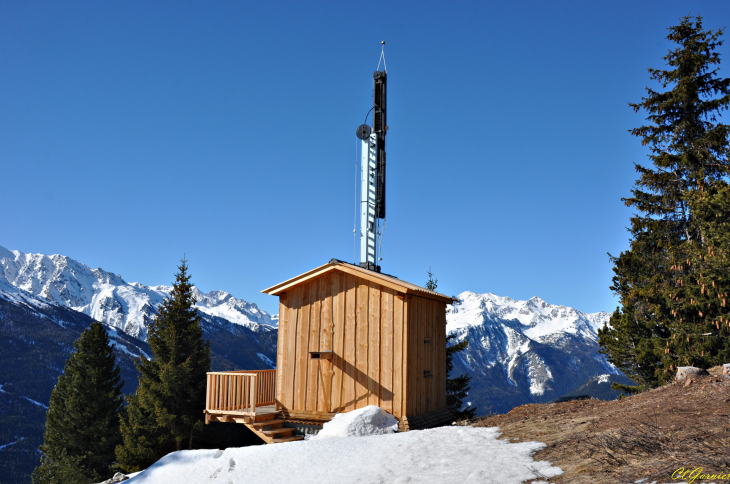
{"points": [[35, 341], [599, 387], [646, 436]]}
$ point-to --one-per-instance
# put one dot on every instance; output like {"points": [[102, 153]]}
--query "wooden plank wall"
{"points": [[366, 326], [427, 353]]}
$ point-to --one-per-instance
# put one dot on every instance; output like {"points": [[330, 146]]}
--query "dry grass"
{"points": [[649, 435]]}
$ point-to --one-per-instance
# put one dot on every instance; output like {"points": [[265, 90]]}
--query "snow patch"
{"points": [[35, 403], [266, 360], [370, 420], [604, 378], [11, 443], [539, 374], [114, 336], [16, 295], [435, 455], [123, 348], [26, 398]]}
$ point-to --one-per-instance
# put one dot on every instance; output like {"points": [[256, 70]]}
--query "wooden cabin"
{"points": [[348, 337]]}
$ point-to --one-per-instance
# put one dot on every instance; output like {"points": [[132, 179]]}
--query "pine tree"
{"points": [[432, 283], [700, 332], [457, 388], [668, 313], [82, 423], [168, 406]]}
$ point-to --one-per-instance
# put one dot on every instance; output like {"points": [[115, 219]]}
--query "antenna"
{"points": [[372, 171]]}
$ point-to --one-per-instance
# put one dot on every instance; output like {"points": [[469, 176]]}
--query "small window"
{"points": [[321, 355]]}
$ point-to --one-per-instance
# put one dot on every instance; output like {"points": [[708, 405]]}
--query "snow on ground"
{"points": [[455, 454], [370, 420]]}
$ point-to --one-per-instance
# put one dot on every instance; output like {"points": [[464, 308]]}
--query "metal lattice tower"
{"points": [[372, 176], [368, 187]]}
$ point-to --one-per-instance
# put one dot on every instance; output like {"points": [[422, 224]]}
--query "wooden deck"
{"points": [[268, 424], [247, 397]]}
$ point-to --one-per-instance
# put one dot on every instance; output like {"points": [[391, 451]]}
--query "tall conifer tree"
{"points": [[663, 288], [82, 423], [168, 406], [699, 302]]}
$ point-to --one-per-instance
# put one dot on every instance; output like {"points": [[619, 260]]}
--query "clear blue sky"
{"points": [[134, 132]]}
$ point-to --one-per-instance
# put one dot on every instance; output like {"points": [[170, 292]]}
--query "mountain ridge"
{"points": [[520, 351], [524, 351], [107, 297], [37, 335]]}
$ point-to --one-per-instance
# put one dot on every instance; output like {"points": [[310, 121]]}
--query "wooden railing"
{"points": [[240, 392]]}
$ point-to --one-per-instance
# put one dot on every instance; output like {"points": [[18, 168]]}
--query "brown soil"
{"points": [[649, 435]]}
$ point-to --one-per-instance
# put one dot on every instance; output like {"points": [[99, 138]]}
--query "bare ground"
{"points": [[649, 435]]}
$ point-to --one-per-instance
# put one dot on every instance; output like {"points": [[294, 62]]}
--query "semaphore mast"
{"points": [[372, 173]]}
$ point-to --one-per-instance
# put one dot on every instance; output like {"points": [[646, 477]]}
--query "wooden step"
{"points": [[263, 417], [279, 432], [273, 423], [288, 439]]}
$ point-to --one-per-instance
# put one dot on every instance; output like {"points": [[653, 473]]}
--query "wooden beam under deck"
{"points": [[268, 422]]}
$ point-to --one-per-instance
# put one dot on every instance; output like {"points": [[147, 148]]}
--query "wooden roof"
{"points": [[377, 277]]}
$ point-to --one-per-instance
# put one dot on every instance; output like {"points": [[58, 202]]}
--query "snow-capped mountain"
{"points": [[519, 351], [45, 305], [10, 293], [107, 297], [524, 351]]}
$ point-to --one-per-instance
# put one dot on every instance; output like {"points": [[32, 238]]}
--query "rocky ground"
{"points": [[649, 435]]}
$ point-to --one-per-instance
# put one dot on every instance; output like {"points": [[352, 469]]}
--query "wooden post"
{"points": [[253, 394], [207, 395]]}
